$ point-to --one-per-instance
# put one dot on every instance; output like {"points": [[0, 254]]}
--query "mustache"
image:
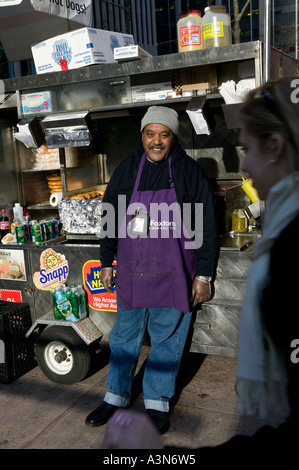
{"points": [[160, 147]]}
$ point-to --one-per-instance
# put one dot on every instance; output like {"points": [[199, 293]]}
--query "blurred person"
{"points": [[267, 381], [161, 269]]}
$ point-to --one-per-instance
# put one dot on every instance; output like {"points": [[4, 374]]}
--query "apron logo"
{"points": [[168, 220], [164, 224]]}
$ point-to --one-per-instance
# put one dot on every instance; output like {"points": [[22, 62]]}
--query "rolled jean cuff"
{"points": [[158, 405], [116, 400]]}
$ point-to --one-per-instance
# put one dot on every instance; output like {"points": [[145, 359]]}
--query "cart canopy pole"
{"points": [[267, 32]]}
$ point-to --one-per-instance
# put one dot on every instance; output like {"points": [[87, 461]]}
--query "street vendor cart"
{"points": [[107, 102]]}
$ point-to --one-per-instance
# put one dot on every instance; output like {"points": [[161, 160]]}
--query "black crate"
{"points": [[19, 356]]}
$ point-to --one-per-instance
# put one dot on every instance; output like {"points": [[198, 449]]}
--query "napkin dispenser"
{"points": [[68, 130]]}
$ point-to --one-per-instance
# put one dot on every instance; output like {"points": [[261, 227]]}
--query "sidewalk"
{"points": [[36, 413]]}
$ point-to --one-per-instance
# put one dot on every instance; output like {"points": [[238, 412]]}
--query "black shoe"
{"points": [[160, 420], [101, 414]]}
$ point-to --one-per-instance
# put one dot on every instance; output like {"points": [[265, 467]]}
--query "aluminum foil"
{"points": [[80, 215]]}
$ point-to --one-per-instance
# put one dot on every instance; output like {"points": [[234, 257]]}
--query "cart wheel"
{"points": [[62, 355]]}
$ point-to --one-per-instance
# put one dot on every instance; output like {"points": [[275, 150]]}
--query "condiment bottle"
{"points": [[216, 25], [189, 30], [239, 221]]}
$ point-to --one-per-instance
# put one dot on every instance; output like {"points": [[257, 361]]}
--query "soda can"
{"points": [[27, 231], [43, 229], [13, 227], [49, 231], [20, 234], [55, 228], [36, 231]]}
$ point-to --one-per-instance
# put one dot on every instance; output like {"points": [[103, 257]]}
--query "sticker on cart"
{"points": [[11, 295], [54, 270], [12, 265], [97, 296]]}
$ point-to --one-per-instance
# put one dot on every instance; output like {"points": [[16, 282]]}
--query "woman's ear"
{"points": [[276, 145]]}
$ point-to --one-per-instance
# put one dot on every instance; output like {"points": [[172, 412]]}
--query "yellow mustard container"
{"points": [[216, 25], [249, 189], [239, 221]]}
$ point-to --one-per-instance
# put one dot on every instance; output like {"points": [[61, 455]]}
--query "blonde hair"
{"points": [[274, 108]]}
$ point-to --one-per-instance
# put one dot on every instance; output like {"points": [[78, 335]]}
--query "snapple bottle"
{"points": [[189, 30]]}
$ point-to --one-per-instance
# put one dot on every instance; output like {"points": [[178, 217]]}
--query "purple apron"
{"points": [[155, 271]]}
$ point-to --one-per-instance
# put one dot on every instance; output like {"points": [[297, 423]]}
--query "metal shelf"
{"points": [[239, 52]]}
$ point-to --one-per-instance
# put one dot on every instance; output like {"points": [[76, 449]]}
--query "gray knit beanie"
{"points": [[161, 115]]}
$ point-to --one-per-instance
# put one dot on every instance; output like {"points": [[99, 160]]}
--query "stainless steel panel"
{"points": [[233, 265], [85, 328], [229, 289], [216, 329]]}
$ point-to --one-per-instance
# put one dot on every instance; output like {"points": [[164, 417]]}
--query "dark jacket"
{"points": [[281, 317], [191, 185]]}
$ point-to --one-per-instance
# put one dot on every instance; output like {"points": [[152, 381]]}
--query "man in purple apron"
{"points": [[163, 265]]}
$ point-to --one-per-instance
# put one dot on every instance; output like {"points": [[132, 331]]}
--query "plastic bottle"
{"points": [[58, 303], [4, 223], [82, 303], [61, 304], [27, 229], [216, 25], [75, 302], [18, 213], [249, 189], [189, 31], [72, 313]]}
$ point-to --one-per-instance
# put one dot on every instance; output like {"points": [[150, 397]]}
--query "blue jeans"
{"points": [[168, 329]]}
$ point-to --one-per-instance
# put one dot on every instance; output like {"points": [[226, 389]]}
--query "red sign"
{"points": [[98, 297], [11, 295]]}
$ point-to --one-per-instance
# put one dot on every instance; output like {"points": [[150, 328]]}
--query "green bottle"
{"points": [[62, 305], [75, 302]]}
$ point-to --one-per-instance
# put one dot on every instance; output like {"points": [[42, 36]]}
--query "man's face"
{"points": [[158, 141]]}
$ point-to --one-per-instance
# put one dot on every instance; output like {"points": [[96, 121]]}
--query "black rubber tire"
{"points": [[63, 338]]}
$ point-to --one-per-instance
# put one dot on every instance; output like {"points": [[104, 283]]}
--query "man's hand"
{"points": [[106, 278], [201, 291]]}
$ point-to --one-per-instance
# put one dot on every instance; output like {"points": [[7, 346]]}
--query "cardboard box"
{"points": [[203, 77], [130, 53], [40, 102], [156, 91], [85, 46]]}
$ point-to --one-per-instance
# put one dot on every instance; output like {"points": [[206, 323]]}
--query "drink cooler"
{"points": [[15, 321]]}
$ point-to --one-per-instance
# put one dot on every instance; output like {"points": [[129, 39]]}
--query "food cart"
{"points": [[115, 96]]}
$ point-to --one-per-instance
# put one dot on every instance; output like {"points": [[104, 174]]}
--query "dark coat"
{"points": [[271, 445]]}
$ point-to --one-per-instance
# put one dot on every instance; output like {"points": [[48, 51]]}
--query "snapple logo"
{"points": [[58, 274], [62, 51], [54, 270]]}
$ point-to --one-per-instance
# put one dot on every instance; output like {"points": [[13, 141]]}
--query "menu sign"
{"points": [[97, 296]]}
